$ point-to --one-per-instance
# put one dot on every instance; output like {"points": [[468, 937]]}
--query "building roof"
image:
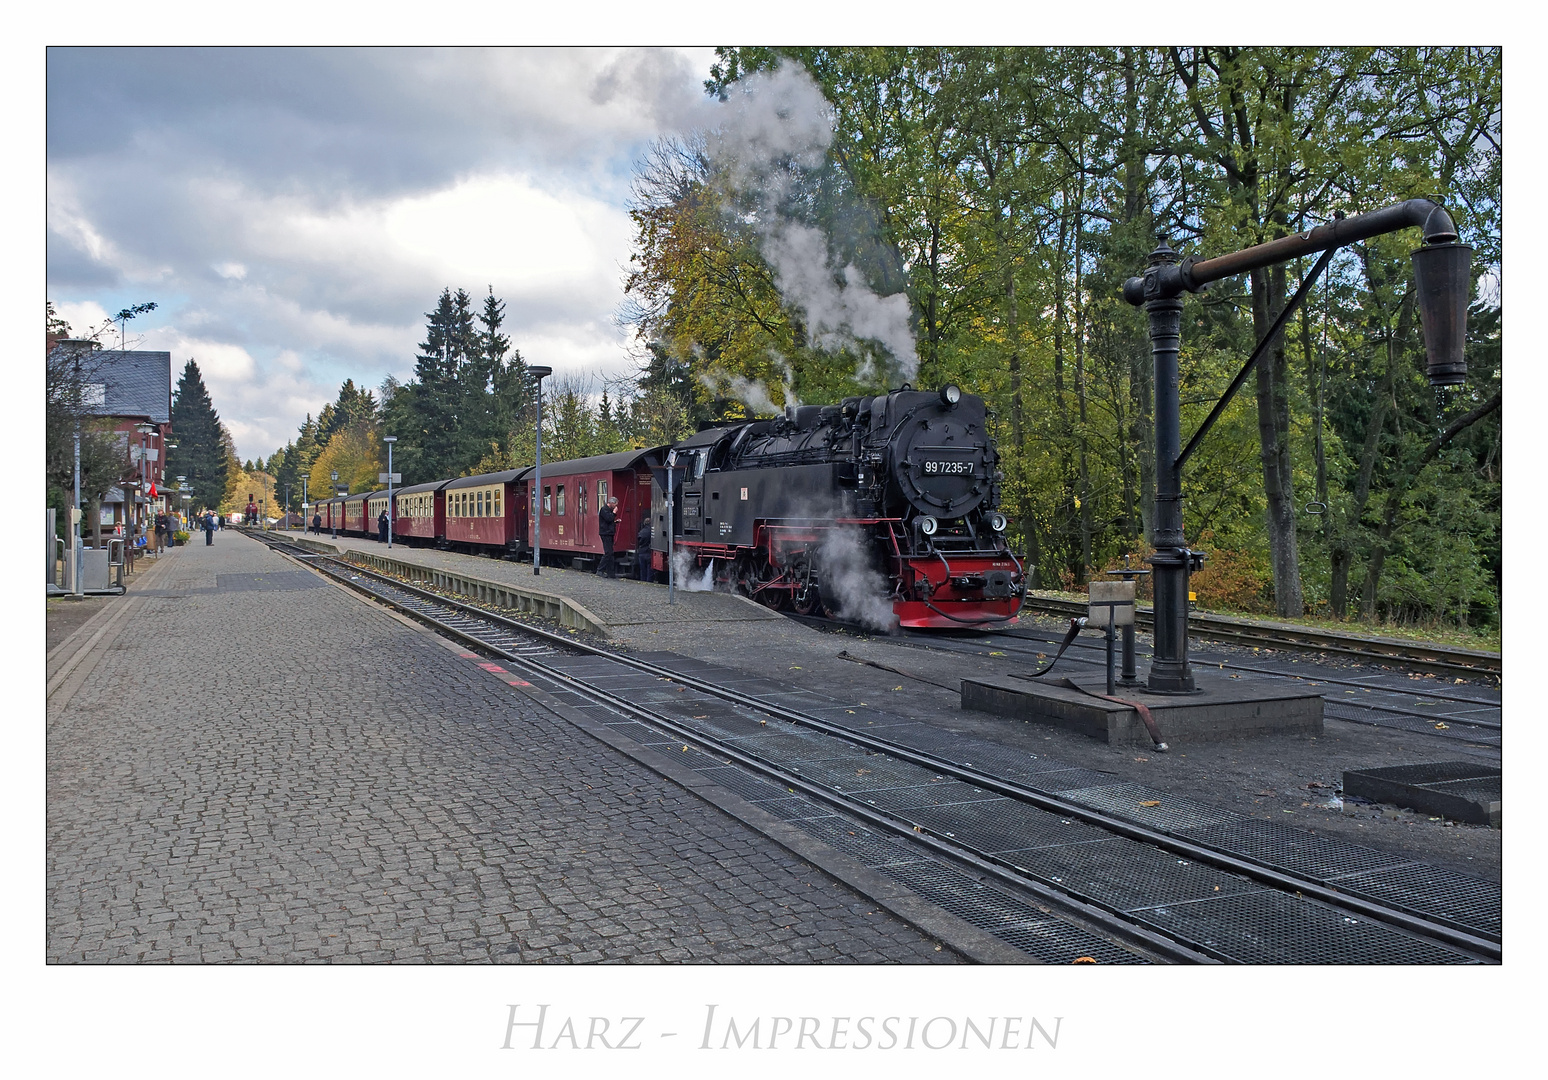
{"points": [[134, 383]]}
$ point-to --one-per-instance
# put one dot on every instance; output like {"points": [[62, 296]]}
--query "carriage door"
{"points": [[692, 465], [582, 511]]}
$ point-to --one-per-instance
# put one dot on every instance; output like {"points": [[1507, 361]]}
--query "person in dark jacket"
{"points": [[162, 527], [607, 528], [381, 527], [642, 549], [209, 527], [317, 524]]}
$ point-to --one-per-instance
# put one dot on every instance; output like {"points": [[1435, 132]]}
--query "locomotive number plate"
{"points": [[947, 468]]}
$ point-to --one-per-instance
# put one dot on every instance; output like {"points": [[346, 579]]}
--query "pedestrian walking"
{"points": [[163, 525], [317, 524], [381, 528], [607, 527], [209, 527], [642, 549], [222, 521]]}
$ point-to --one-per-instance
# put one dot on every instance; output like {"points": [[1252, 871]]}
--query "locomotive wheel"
{"points": [[807, 600]]}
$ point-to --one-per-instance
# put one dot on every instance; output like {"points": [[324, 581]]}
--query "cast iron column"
{"points": [[1169, 670]]}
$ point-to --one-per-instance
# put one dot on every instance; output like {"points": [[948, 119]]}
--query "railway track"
{"points": [[1089, 871], [1467, 663]]}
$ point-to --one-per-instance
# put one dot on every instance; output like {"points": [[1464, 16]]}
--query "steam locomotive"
{"points": [[850, 509]]}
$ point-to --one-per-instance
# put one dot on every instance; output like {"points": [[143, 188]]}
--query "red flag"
{"points": [[153, 489]]}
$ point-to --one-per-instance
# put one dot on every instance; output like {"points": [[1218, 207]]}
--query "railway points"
{"points": [[1399, 867]]}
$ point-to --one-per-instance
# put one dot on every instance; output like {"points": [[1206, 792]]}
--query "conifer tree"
{"points": [[201, 453]]}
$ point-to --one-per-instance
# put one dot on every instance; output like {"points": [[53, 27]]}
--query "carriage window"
{"points": [[497, 502], [480, 512], [548, 499], [561, 500], [601, 493]]}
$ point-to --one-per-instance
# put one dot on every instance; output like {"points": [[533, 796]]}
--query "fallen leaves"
{"points": [[1152, 802]]}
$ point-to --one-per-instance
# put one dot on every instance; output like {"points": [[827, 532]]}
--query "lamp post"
{"points": [[304, 477], [392, 516], [540, 373], [334, 517]]}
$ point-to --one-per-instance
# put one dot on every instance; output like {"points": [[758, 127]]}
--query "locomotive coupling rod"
{"points": [[1190, 275]]}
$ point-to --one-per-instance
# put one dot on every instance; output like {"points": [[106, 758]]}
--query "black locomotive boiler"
{"points": [[895, 494]]}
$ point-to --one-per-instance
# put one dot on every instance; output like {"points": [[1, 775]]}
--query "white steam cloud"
{"points": [[851, 587], [779, 127]]}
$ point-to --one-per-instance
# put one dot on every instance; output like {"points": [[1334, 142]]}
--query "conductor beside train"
{"points": [[894, 494]]}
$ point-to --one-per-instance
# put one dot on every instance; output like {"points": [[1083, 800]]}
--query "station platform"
{"points": [[247, 763], [610, 608]]}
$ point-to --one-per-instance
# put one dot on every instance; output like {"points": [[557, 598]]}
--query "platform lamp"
{"points": [[392, 516], [334, 517], [304, 477], [539, 373], [145, 431]]}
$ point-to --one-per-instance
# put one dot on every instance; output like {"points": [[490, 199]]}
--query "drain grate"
{"points": [[1166, 812], [1430, 890], [1275, 928], [1002, 825], [870, 773], [786, 747], [1125, 875], [740, 782]]}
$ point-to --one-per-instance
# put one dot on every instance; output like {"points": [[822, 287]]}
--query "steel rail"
{"points": [[1092, 917], [1439, 930], [1462, 662]]}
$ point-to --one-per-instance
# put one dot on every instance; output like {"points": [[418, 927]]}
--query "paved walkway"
{"points": [[621, 603], [253, 765]]}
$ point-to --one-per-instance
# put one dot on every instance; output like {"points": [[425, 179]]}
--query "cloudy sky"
{"points": [[295, 212]]}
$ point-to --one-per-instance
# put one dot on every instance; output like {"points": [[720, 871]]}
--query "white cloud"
{"points": [[295, 214]]}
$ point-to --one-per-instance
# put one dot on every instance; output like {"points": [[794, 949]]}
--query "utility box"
{"points": [[94, 570], [1110, 600]]}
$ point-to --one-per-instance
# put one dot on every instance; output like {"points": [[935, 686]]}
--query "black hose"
{"points": [[1075, 628]]}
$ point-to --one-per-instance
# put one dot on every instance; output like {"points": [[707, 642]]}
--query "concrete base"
{"points": [[1222, 708]]}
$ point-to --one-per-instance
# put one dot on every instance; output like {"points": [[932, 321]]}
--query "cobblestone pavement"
{"points": [[622, 603], [263, 768]]}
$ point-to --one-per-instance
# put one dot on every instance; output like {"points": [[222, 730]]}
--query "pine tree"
{"points": [[201, 453]]}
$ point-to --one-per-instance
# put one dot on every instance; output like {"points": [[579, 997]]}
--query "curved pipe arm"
{"points": [[1190, 275]]}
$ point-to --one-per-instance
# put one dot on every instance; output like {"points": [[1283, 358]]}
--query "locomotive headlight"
{"points": [[997, 521], [928, 525], [951, 393]]}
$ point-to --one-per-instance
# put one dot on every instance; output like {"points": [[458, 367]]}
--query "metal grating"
{"points": [[945, 793], [1062, 943], [852, 838], [989, 909], [1270, 927], [1301, 852], [1455, 729], [869, 773], [1170, 812], [1067, 779], [785, 747], [795, 808], [740, 782], [1002, 825], [1124, 875], [1430, 890]]}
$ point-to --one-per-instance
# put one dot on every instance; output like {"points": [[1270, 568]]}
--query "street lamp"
{"points": [[334, 517], [539, 373], [303, 501], [392, 517]]}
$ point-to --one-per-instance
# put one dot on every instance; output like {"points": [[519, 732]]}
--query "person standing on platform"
{"points": [[209, 527], [162, 525], [642, 549], [381, 528], [317, 523], [607, 527]]}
